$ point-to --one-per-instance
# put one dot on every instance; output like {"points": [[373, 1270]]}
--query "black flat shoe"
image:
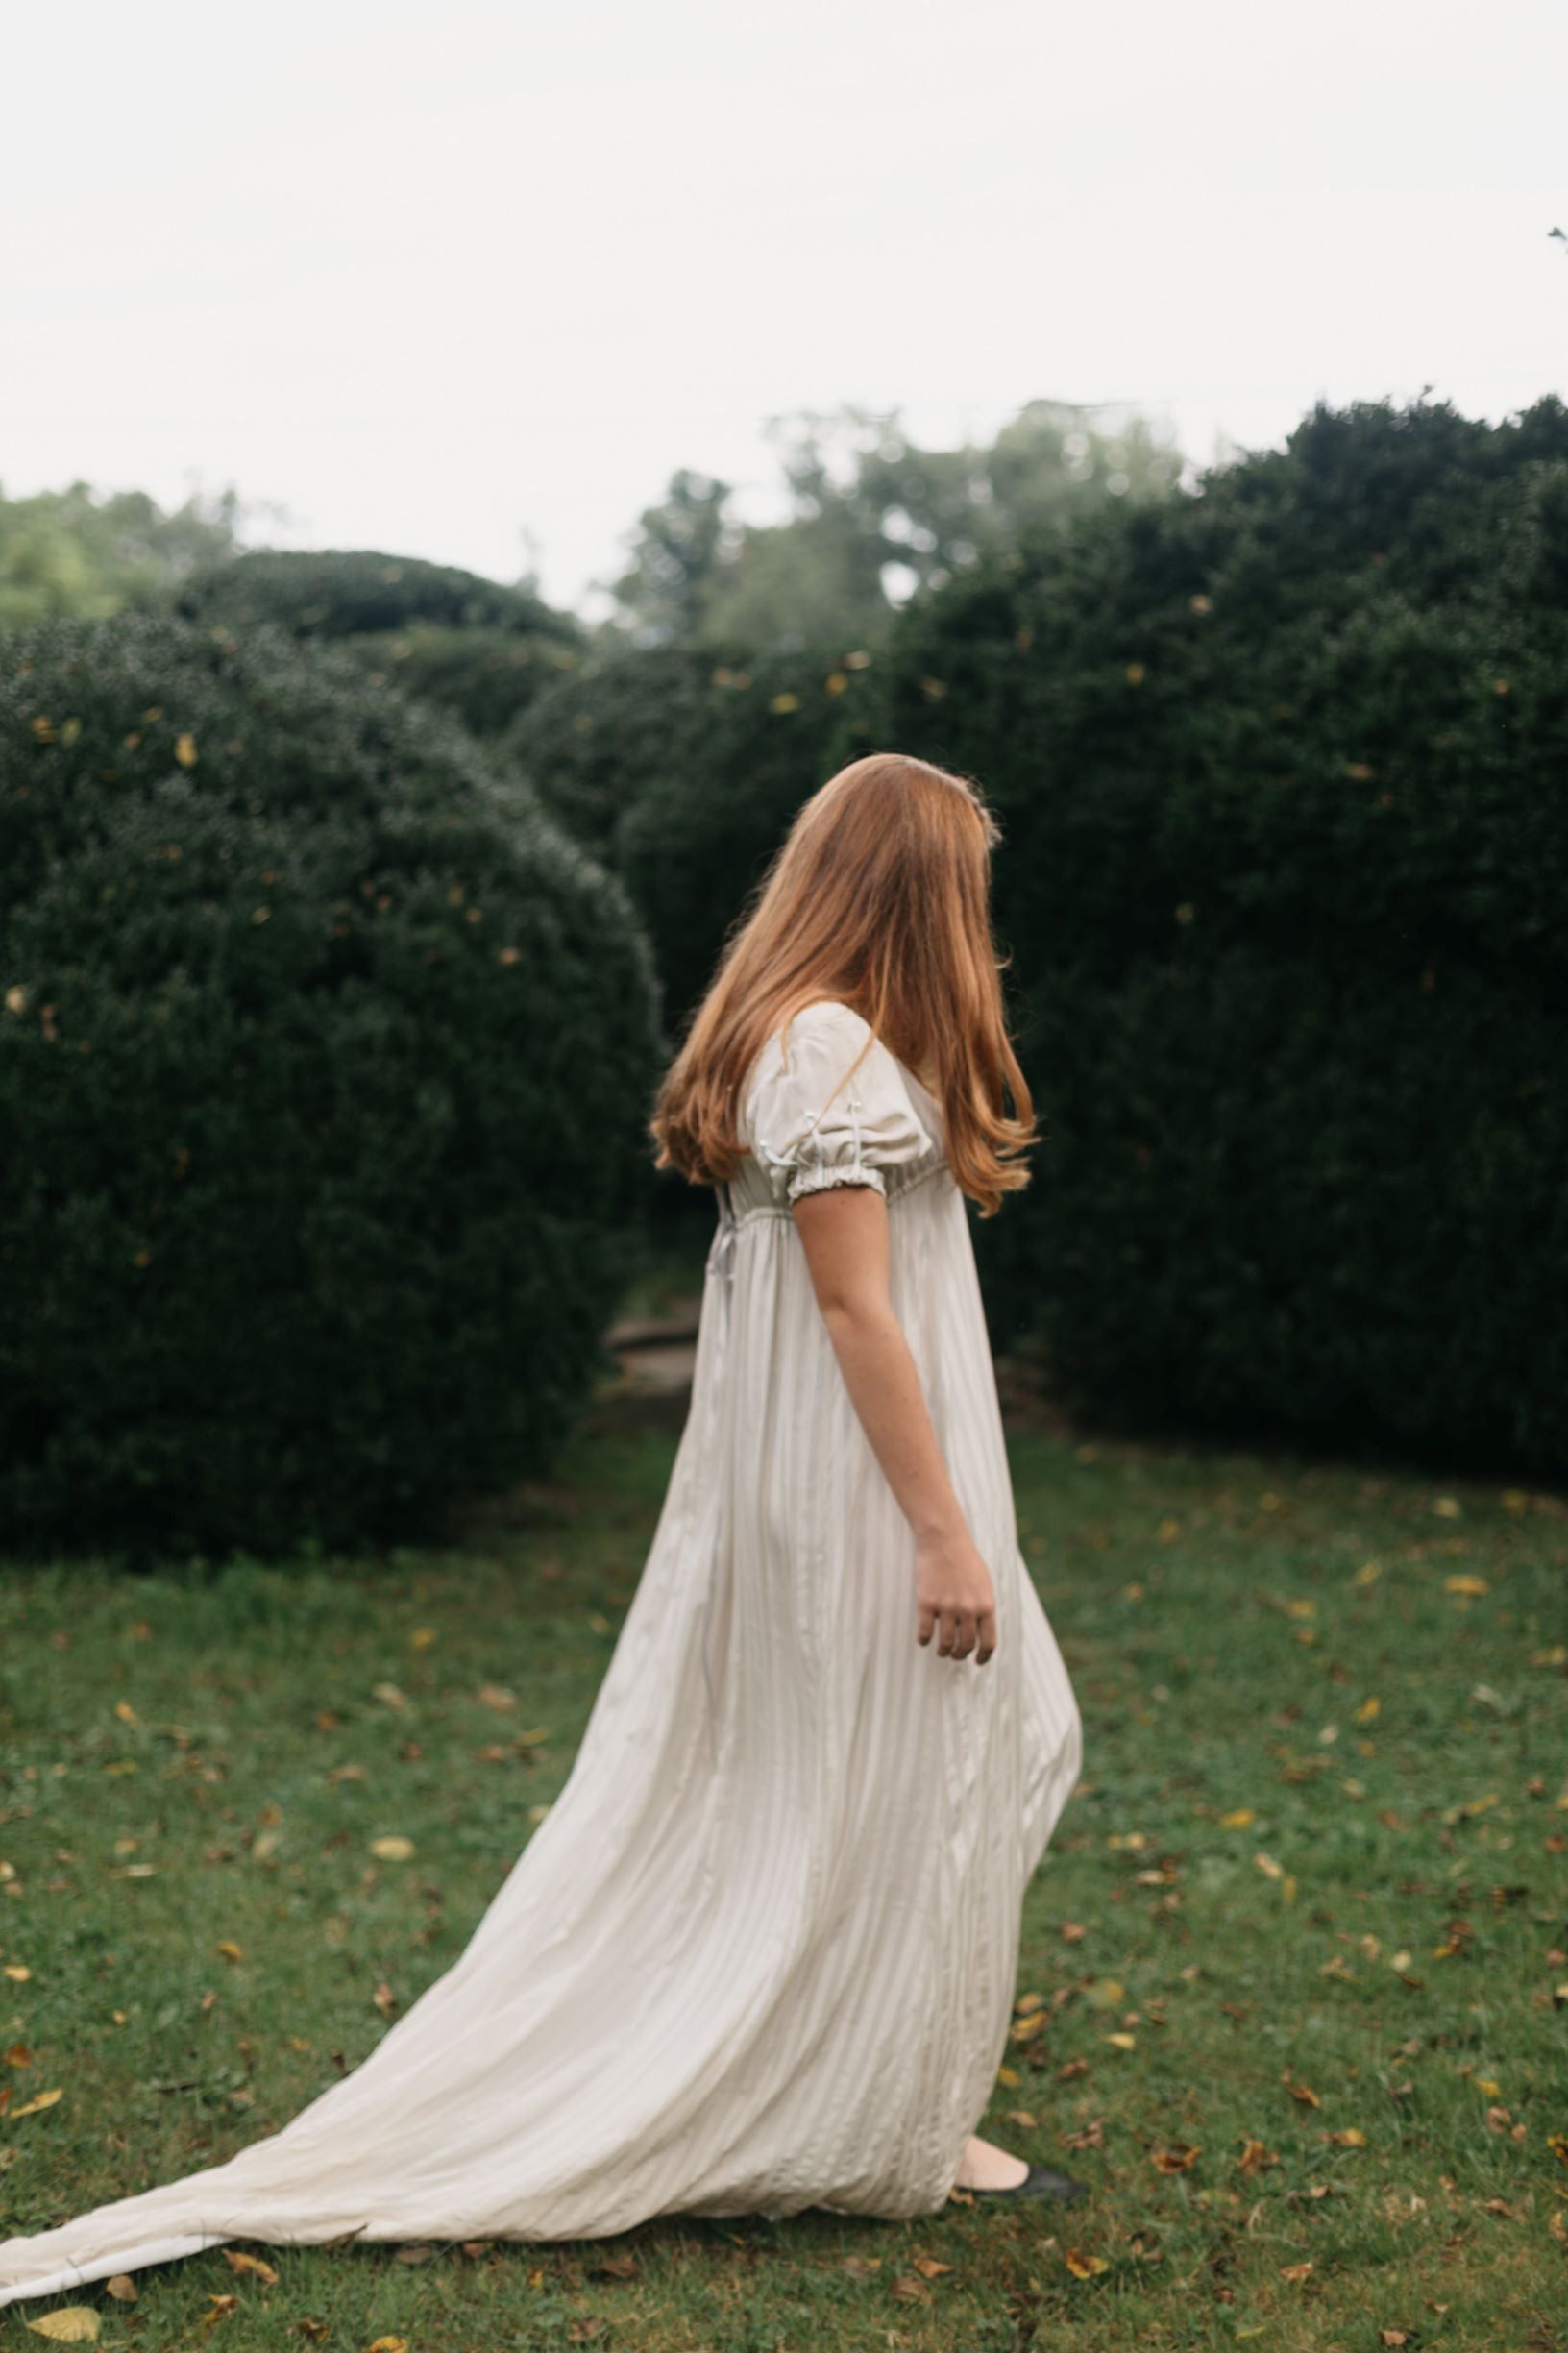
{"points": [[1041, 2182]]}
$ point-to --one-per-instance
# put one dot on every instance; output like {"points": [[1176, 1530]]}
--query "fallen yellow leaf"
{"points": [[1466, 1587], [392, 1850], [44, 2100], [1084, 2266], [72, 2324], [252, 2265], [1243, 1818]]}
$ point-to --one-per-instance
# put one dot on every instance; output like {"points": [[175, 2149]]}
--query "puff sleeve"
{"points": [[814, 1121]]}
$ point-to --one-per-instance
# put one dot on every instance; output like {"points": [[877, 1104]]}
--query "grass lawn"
{"points": [[1294, 1986]]}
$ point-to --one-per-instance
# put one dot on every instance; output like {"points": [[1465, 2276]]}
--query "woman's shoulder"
{"points": [[827, 1018]]}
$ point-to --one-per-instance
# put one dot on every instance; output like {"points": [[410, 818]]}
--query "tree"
{"points": [[81, 554], [871, 517]]}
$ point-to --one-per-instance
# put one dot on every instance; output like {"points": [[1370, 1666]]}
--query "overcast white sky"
{"points": [[428, 278]]}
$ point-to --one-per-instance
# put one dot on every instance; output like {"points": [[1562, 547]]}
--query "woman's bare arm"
{"points": [[843, 1230]]}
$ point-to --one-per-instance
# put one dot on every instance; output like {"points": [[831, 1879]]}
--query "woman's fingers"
{"points": [[957, 1633], [961, 1634]]}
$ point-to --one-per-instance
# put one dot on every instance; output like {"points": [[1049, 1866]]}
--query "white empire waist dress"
{"points": [[761, 1954]]}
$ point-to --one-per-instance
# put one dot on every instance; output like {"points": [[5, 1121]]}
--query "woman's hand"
{"points": [[953, 1591], [845, 1233]]}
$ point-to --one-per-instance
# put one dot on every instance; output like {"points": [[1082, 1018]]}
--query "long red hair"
{"points": [[879, 897]]}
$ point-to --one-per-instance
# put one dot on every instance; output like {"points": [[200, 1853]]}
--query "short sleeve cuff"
{"points": [[823, 1180]]}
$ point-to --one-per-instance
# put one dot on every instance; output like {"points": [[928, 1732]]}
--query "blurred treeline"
{"points": [[352, 904]]}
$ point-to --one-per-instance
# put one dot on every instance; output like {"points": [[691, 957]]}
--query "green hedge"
{"points": [[324, 1064], [1281, 770], [683, 769], [485, 677], [472, 646], [351, 593]]}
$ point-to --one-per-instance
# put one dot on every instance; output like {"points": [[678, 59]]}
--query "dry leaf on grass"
{"points": [[1084, 2266], [122, 2288], [72, 2324], [909, 2290], [928, 2266], [1175, 2159], [251, 2265], [1091, 2136], [615, 2267], [1295, 2272], [31, 2107], [1303, 2092], [392, 1850]]}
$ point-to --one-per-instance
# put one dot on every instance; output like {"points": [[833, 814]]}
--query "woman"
{"points": [[760, 1955]]}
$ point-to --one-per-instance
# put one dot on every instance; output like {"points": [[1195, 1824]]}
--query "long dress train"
{"points": [[761, 1954]]}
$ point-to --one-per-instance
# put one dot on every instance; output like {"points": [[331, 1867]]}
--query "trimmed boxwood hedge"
{"points": [[1281, 767], [324, 1064], [683, 769], [485, 677], [473, 647], [335, 592]]}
